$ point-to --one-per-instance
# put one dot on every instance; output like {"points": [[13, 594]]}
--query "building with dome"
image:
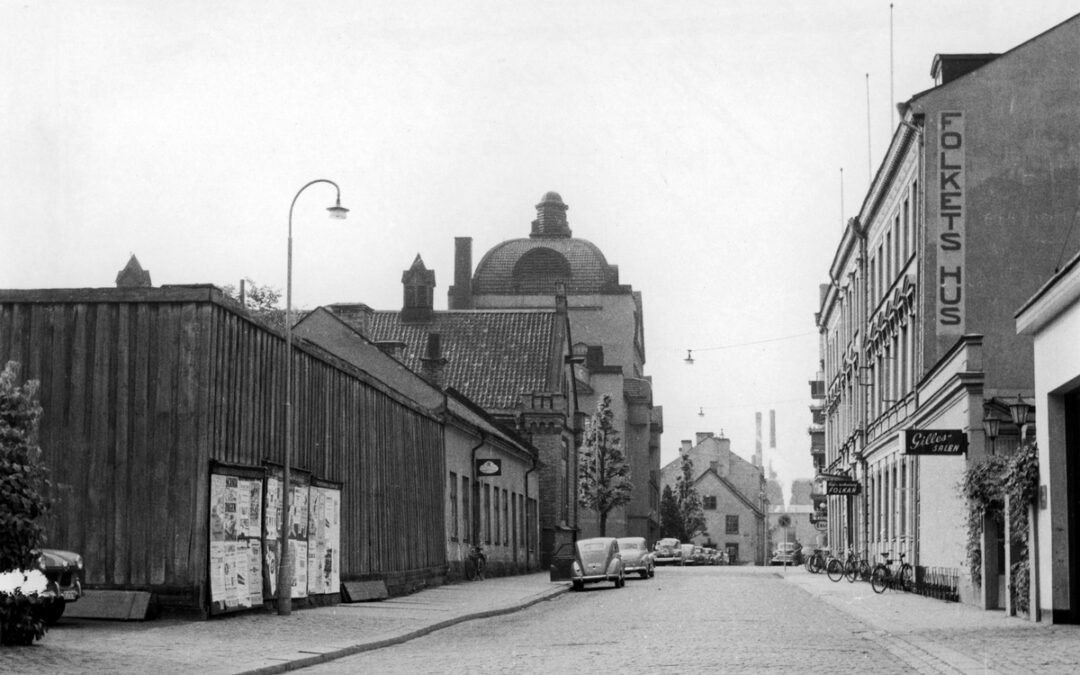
{"points": [[607, 332]]}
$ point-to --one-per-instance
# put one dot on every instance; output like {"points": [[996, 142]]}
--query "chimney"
{"points": [[772, 429], [686, 446], [133, 275], [432, 363], [460, 294], [551, 217], [701, 436], [358, 315], [757, 440], [419, 288], [560, 299]]}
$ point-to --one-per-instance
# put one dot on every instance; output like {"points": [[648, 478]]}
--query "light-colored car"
{"points": [[787, 553], [687, 553], [597, 559], [636, 557], [667, 551]]}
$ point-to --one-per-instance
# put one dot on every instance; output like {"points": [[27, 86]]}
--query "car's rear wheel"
{"points": [[51, 612]]}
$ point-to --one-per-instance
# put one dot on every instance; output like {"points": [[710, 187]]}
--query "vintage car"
{"points": [[64, 570], [597, 559], [667, 552], [636, 556], [687, 552], [787, 553]]}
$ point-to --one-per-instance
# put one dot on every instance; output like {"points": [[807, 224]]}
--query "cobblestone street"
{"points": [[735, 619]]}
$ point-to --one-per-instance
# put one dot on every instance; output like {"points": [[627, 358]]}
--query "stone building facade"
{"points": [[965, 218]]}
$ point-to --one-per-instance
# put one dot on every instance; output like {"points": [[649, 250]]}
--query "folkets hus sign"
{"points": [[934, 441]]}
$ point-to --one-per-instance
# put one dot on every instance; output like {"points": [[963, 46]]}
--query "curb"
{"points": [[304, 662]]}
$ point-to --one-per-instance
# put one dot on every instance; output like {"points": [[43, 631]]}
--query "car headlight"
{"points": [[78, 562], [575, 569]]}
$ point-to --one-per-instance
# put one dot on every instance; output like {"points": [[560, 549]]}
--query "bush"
{"points": [[24, 504]]}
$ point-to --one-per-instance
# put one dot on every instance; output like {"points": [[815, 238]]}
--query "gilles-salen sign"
{"points": [[934, 441]]}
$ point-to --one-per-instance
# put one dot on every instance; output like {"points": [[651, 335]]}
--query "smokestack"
{"points": [[772, 429], [460, 294], [757, 439]]}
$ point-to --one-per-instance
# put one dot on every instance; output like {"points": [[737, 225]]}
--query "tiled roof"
{"points": [[589, 270], [492, 356]]}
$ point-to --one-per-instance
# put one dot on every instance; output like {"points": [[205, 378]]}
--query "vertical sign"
{"points": [[952, 217]]}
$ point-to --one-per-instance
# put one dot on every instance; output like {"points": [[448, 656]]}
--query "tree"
{"points": [[690, 510], [24, 503], [603, 471], [671, 524], [262, 301]]}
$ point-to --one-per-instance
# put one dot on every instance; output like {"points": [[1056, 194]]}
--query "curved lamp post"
{"points": [[284, 571]]}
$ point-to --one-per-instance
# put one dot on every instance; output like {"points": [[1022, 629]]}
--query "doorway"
{"points": [[1071, 458]]}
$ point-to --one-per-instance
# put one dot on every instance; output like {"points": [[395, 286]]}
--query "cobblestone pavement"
{"points": [[265, 642], [724, 619]]}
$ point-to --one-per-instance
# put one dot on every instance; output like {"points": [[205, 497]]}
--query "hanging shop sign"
{"points": [[842, 487], [934, 441], [489, 467]]}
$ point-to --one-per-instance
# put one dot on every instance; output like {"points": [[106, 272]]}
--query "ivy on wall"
{"points": [[985, 486]]}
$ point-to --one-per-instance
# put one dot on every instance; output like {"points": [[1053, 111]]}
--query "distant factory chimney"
{"points": [[772, 429], [757, 439]]}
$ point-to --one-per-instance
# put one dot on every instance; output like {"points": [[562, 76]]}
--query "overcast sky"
{"points": [[698, 144]]}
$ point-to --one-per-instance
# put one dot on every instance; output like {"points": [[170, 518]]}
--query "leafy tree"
{"points": [[671, 524], [603, 470], [262, 301], [690, 509], [24, 501]]}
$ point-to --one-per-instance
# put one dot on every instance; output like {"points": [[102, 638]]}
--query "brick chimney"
{"points": [[432, 363], [460, 294], [551, 217], [686, 446], [419, 289]]}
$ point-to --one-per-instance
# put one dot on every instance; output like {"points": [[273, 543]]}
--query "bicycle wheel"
{"points": [[863, 570], [470, 569], [835, 570], [879, 579], [907, 578]]}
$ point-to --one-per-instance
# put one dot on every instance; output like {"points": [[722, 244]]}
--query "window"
{"points": [[494, 536], [487, 514], [453, 507], [506, 518], [709, 503], [466, 503], [731, 524]]}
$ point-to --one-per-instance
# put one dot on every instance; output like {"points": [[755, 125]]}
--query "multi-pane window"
{"points": [[731, 524], [506, 518], [495, 532], [709, 503], [453, 507], [466, 510], [487, 514]]}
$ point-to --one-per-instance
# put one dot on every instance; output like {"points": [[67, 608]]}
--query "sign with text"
{"points": [[842, 487], [934, 441], [951, 207]]}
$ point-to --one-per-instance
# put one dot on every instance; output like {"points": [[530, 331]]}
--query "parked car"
{"points": [[787, 553], [597, 559], [667, 551], [636, 556], [697, 556], [687, 551], [64, 570]]}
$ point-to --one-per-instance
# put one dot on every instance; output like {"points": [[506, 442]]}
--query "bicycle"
{"points": [[815, 562], [475, 563], [884, 576], [857, 568], [836, 567]]}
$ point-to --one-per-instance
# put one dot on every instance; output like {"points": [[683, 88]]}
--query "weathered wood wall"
{"points": [[142, 388]]}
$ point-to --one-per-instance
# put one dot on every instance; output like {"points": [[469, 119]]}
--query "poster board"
{"points": [[324, 538], [298, 531], [236, 501]]}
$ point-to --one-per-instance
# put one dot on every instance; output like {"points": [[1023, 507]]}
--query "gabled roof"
{"points": [[492, 357], [732, 489]]}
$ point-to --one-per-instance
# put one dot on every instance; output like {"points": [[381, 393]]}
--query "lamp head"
{"points": [[991, 425], [337, 211], [1019, 411]]}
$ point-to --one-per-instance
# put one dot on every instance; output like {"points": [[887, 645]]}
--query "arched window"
{"points": [[539, 270]]}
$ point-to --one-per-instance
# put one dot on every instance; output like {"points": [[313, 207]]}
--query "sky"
{"points": [[711, 149]]}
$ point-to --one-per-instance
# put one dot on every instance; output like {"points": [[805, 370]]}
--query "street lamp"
{"points": [[284, 571], [1019, 410], [991, 427]]}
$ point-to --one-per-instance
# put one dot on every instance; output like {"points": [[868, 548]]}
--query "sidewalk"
{"points": [[927, 633], [265, 643]]}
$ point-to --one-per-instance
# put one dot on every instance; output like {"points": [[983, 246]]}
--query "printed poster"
{"points": [[235, 542]]}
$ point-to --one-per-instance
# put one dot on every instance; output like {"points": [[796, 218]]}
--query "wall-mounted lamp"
{"points": [[1019, 413]]}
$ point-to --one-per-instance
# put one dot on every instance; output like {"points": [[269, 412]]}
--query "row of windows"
{"points": [[502, 513], [731, 523]]}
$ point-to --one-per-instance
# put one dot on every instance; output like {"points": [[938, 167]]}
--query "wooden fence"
{"points": [[143, 388]]}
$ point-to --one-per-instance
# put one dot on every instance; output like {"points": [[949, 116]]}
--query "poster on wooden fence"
{"points": [[324, 537], [298, 538], [235, 542]]}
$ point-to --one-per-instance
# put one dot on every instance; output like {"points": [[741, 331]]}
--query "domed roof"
{"points": [[550, 256]]}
